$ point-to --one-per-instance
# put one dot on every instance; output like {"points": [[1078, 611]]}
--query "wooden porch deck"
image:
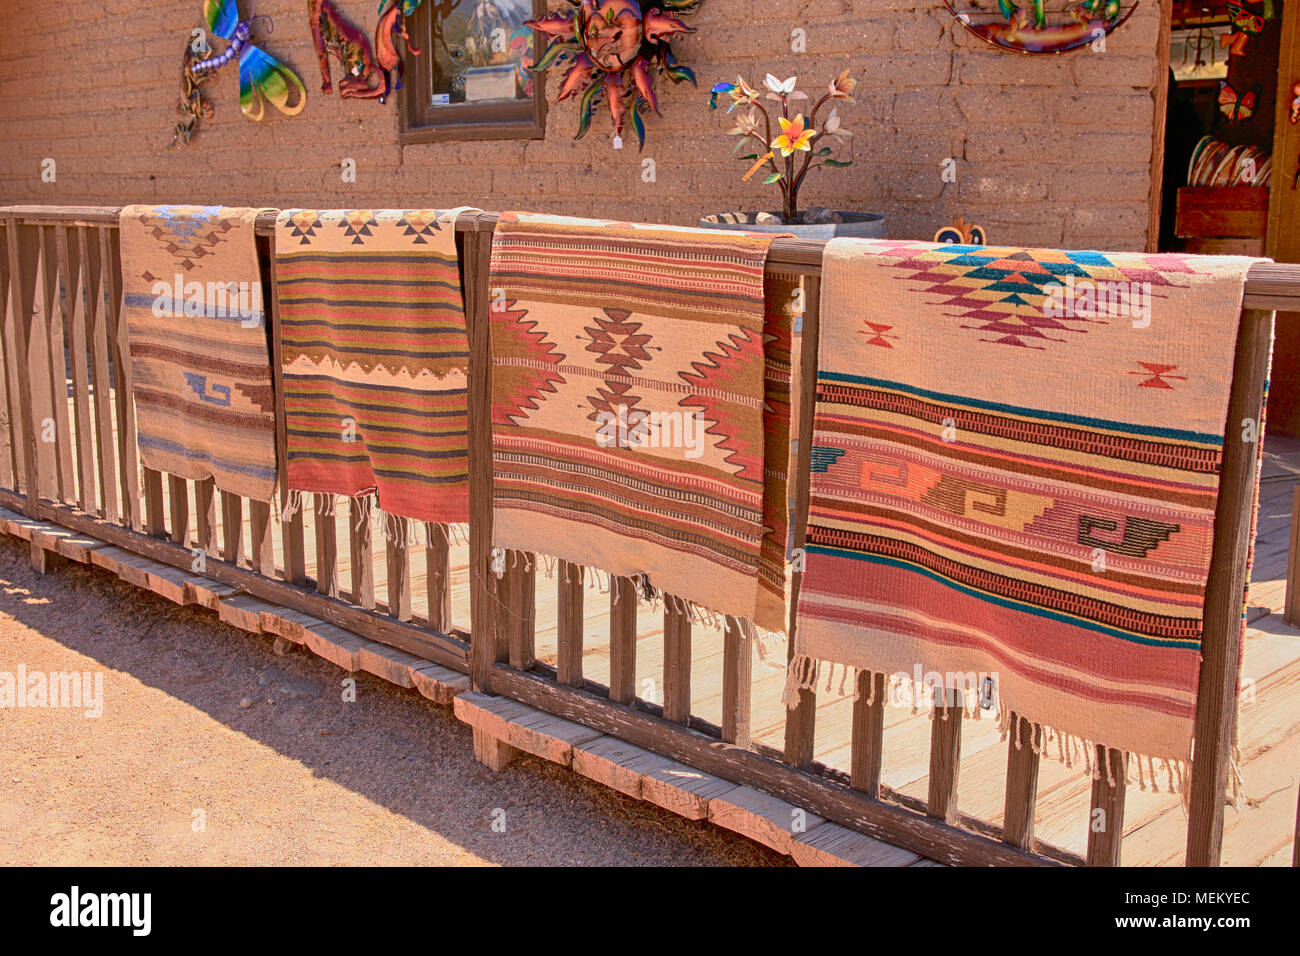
{"points": [[1256, 833], [102, 483]]}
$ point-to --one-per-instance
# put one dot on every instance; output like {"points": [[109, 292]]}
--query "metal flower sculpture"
{"points": [[616, 47], [798, 134]]}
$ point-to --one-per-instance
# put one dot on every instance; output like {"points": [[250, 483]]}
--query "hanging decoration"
{"points": [[1295, 104], [1245, 25], [1024, 27], [262, 78], [615, 46], [960, 234], [192, 107], [391, 28], [1196, 45], [1235, 106], [333, 34]]}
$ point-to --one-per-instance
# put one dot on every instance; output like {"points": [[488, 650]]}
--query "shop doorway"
{"points": [[1229, 151]]}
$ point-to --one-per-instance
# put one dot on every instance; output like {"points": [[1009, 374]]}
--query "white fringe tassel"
{"points": [[808, 673]]}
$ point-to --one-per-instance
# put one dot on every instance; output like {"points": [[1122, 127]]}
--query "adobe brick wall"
{"points": [[1050, 150]]}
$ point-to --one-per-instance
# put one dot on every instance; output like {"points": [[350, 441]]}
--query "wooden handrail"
{"points": [[1269, 285], [498, 653]]}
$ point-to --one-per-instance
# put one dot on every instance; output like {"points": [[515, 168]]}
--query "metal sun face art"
{"points": [[262, 78], [1024, 26], [616, 47]]}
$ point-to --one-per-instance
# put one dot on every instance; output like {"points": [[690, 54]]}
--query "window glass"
{"points": [[481, 51]]}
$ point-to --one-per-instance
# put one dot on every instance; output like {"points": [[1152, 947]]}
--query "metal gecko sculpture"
{"points": [[391, 28], [192, 107], [609, 43], [1024, 27], [262, 78], [333, 34]]}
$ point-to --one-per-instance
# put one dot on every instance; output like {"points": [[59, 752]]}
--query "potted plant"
{"points": [[787, 151]]}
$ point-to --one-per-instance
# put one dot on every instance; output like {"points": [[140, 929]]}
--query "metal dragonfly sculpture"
{"points": [[262, 78]]}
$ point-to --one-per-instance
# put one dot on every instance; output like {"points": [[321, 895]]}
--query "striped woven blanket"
{"points": [[628, 428], [1015, 471], [192, 296], [374, 352]]}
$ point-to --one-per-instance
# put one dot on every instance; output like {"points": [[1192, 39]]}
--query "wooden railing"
{"points": [[72, 460]]}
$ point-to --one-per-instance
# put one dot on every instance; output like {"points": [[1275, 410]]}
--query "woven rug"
{"points": [[192, 296], [628, 427], [1013, 491], [374, 352]]}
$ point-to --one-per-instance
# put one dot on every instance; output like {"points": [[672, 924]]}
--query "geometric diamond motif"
{"points": [[190, 236], [1002, 292], [621, 348]]}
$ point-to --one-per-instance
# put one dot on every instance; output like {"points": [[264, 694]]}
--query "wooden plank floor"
{"points": [[1259, 832]]}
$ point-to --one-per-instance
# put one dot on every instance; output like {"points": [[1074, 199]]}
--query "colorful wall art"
{"points": [[1024, 27], [262, 78], [615, 47], [335, 35]]}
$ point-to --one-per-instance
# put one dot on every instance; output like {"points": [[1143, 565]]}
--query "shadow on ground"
{"points": [[199, 716]]}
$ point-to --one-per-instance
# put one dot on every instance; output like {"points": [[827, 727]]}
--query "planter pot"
{"points": [[862, 225]]}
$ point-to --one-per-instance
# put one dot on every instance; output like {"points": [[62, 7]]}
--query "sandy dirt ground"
{"points": [[212, 749]]}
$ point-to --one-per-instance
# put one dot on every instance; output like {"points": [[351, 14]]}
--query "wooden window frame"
{"points": [[423, 122]]}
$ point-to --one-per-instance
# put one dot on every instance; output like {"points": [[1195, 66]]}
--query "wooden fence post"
{"points": [[622, 639], [1106, 811], [362, 551], [1216, 697], [865, 748], [1023, 745], [1291, 604], [73, 257], [57, 321], [800, 720], [437, 577], [569, 623], [677, 660], [105, 449], [327, 579], [128, 455], [40, 334], [22, 286], [486, 646], [945, 753], [9, 470], [737, 679]]}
